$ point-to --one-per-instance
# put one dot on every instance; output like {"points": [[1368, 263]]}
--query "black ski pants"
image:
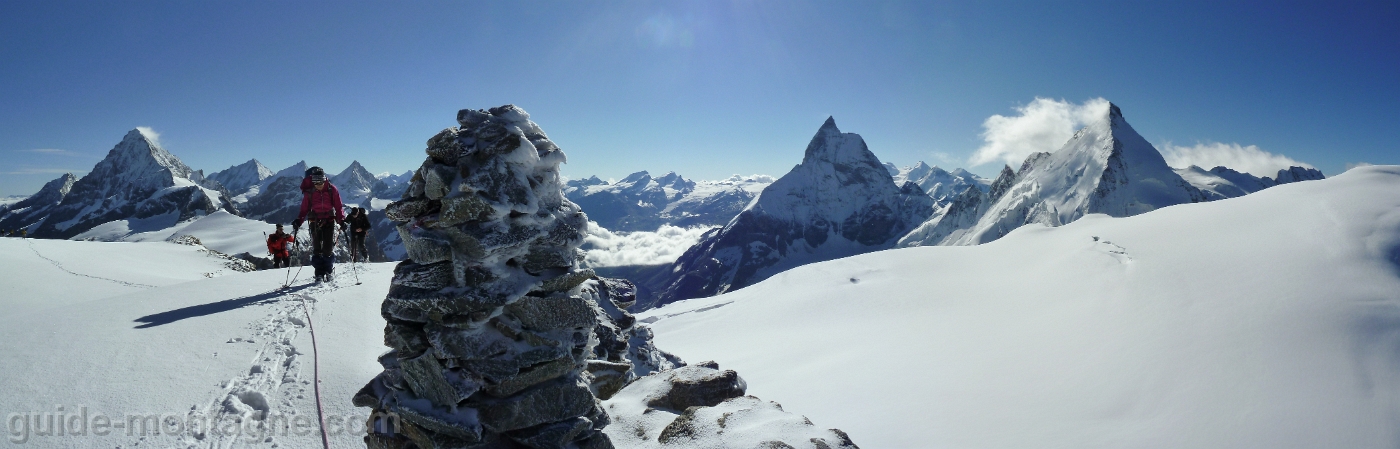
{"points": [[322, 237]]}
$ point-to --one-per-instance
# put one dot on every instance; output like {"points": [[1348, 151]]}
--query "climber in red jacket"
{"points": [[279, 245], [321, 206]]}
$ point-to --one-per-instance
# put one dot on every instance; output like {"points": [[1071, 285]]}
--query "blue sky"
{"points": [[706, 89]]}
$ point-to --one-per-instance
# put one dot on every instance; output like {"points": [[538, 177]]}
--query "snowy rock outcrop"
{"points": [[641, 202], [625, 350], [32, 211], [703, 406], [840, 201], [489, 329], [138, 180]]}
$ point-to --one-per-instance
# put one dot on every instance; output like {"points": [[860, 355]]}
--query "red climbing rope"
{"points": [[316, 373]]}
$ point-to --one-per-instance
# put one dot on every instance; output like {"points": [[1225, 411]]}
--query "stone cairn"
{"points": [[489, 323]]}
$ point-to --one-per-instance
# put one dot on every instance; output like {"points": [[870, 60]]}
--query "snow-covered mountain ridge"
{"points": [[138, 180], [840, 201], [641, 202], [1106, 167]]}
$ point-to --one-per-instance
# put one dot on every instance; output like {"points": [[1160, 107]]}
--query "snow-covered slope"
{"points": [[138, 180], [30, 212], [838, 202], [1269, 320], [240, 178], [120, 331], [219, 231]]}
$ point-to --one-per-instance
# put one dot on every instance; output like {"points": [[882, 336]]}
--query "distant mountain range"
{"points": [[143, 187], [839, 201]]}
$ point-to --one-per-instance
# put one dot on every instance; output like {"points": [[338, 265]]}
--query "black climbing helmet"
{"points": [[317, 174]]}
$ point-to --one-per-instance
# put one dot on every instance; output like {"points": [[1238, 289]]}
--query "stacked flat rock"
{"points": [[488, 329], [624, 351]]}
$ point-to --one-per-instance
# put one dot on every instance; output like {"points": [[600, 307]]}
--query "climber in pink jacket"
{"points": [[320, 204]]}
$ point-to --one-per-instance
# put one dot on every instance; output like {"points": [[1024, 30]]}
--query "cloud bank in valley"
{"points": [[1249, 159], [1043, 125], [604, 248]]}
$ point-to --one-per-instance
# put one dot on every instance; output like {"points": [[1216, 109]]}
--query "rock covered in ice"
{"points": [[490, 326]]}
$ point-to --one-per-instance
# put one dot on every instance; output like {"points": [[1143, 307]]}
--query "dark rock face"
{"points": [[840, 201], [1295, 174], [489, 327]]}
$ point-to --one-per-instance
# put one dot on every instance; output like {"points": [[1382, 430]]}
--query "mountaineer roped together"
{"points": [[322, 210]]}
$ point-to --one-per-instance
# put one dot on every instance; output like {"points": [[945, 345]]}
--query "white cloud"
{"points": [[604, 248], [150, 134], [1043, 125], [50, 151], [1249, 159], [40, 171]]}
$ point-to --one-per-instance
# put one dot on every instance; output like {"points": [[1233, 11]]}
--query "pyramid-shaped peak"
{"points": [[829, 127], [1114, 112]]}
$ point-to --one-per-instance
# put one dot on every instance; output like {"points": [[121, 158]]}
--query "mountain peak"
{"points": [[829, 126], [1114, 112]]}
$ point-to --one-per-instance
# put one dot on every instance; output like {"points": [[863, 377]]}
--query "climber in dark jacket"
{"points": [[358, 221], [321, 207]]}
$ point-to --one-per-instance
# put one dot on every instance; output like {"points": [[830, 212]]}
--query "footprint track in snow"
{"points": [[263, 400], [1112, 249]]}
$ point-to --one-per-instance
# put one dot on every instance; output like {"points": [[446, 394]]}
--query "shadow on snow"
{"points": [[213, 307]]}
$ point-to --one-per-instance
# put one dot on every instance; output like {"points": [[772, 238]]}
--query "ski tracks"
{"points": [[274, 397]]}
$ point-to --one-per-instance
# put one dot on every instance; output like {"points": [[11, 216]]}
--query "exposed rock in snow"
{"points": [[839, 201], [137, 180], [31, 212], [489, 329], [239, 178], [703, 406]]}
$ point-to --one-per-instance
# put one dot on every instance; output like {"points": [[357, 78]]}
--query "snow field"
{"points": [[226, 361], [1271, 320]]}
